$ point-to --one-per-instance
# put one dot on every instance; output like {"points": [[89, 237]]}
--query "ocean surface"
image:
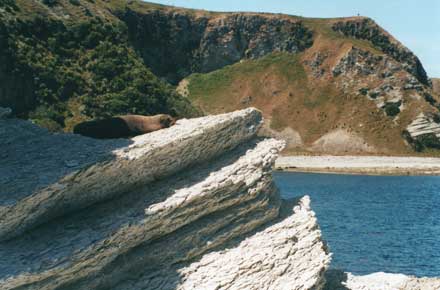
{"points": [[374, 223]]}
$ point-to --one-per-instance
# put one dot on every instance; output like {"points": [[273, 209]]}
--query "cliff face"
{"points": [[367, 29], [188, 207], [174, 44]]}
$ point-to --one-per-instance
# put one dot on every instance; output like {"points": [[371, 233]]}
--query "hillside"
{"points": [[64, 61], [351, 88], [340, 85]]}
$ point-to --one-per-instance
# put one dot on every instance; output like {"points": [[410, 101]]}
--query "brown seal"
{"points": [[123, 126]]}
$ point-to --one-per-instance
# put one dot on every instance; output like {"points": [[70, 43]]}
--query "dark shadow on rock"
{"points": [[33, 158], [334, 279]]}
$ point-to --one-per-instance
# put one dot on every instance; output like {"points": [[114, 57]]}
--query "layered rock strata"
{"points": [[45, 175], [424, 131], [285, 255], [171, 232]]}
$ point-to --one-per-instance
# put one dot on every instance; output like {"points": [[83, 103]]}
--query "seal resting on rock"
{"points": [[123, 126]]}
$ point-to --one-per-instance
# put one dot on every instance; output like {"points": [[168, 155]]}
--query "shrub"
{"points": [[364, 91], [50, 2], [392, 109], [74, 2], [429, 141], [89, 61], [430, 99]]}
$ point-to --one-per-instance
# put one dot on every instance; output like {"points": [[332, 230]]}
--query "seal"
{"points": [[123, 126]]}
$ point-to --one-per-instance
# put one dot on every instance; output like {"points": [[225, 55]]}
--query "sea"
{"points": [[374, 223]]}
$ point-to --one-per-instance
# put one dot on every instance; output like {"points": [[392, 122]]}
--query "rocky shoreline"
{"points": [[368, 165], [193, 206]]}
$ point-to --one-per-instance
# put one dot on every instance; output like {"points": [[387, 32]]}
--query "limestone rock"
{"points": [[379, 281], [271, 259], [61, 173], [424, 131], [158, 233], [424, 124]]}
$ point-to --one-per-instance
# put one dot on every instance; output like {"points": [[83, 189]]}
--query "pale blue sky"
{"points": [[416, 23]]}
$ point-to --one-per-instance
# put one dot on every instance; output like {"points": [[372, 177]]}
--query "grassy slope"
{"points": [[287, 93]]}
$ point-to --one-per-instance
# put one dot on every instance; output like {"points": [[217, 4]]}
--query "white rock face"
{"points": [[423, 125], [271, 259], [95, 170], [383, 281], [196, 207]]}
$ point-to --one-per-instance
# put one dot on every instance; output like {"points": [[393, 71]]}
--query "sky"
{"points": [[415, 23]]}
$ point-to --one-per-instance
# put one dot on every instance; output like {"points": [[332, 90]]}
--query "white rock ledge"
{"points": [[287, 255], [214, 201], [379, 281], [45, 175]]}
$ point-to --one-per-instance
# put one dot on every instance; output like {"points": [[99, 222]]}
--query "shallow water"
{"points": [[374, 223]]}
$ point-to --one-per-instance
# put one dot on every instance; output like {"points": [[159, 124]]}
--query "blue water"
{"points": [[374, 223]]}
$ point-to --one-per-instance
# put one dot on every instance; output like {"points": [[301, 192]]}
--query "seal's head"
{"points": [[167, 121]]}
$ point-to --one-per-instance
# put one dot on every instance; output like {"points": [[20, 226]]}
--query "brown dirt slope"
{"points": [[436, 85]]}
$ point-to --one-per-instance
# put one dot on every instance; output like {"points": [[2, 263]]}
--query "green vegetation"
{"points": [[9, 5], [427, 141], [206, 86], [392, 109], [89, 61]]}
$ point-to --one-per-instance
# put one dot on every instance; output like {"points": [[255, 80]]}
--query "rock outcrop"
{"points": [[186, 207], [337, 280], [170, 39], [358, 71], [94, 171], [424, 132], [367, 29]]}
